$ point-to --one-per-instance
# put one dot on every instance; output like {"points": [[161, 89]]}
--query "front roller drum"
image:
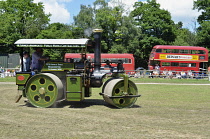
{"points": [[43, 90], [113, 93]]}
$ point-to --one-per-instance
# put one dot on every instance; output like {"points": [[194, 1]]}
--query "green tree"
{"points": [[203, 33], [110, 20], [203, 30], [56, 31], [154, 21], [204, 6], [101, 16], [20, 19], [184, 36], [156, 26], [85, 18], [84, 22], [120, 34], [127, 39]]}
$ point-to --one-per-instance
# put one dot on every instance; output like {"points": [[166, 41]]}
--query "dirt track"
{"points": [[7, 83]]}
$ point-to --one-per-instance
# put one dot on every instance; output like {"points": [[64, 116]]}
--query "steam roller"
{"points": [[72, 79], [120, 93], [43, 90]]}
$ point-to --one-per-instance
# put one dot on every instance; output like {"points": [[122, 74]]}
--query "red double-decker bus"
{"points": [[178, 58], [128, 59]]}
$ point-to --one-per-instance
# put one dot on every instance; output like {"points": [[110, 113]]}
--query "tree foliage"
{"points": [[204, 21], [147, 25], [57, 31], [85, 18], [204, 6], [154, 21], [184, 36], [156, 26], [110, 20], [101, 16], [21, 19]]}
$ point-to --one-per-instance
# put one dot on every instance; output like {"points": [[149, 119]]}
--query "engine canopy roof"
{"points": [[57, 43]]}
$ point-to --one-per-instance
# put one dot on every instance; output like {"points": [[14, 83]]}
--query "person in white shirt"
{"points": [[183, 74], [190, 74]]}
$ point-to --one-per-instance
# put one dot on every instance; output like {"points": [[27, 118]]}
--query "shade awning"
{"points": [[72, 43]]}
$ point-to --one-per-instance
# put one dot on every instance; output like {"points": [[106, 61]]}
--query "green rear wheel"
{"points": [[43, 90], [115, 88]]}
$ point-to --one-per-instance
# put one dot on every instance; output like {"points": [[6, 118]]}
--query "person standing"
{"points": [[170, 74], [37, 60], [26, 62], [157, 70]]}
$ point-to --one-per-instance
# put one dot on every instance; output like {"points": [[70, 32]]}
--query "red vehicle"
{"points": [[178, 58], [128, 59]]}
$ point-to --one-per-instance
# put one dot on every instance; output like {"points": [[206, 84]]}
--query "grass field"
{"points": [[163, 111], [163, 80], [143, 80], [7, 79]]}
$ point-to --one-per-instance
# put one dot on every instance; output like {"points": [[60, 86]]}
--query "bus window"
{"points": [[77, 59], [183, 64], [201, 52], [158, 50], [153, 62], [124, 60], [114, 60], [166, 50], [193, 51], [175, 51], [184, 51], [174, 64], [166, 64], [103, 60], [201, 57], [129, 60], [192, 64]]}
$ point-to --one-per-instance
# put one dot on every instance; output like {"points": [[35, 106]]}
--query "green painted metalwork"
{"points": [[43, 90], [74, 88], [20, 87], [58, 66], [125, 83], [22, 78]]}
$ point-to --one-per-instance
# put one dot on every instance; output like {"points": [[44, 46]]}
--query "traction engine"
{"points": [[73, 81]]}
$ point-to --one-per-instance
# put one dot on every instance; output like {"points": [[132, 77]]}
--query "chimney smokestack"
{"points": [[97, 52]]}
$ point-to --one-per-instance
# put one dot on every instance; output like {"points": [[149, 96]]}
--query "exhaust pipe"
{"points": [[97, 76], [97, 52]]}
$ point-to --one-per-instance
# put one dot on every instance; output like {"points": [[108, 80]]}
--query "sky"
{"points": [[63, 10]]}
